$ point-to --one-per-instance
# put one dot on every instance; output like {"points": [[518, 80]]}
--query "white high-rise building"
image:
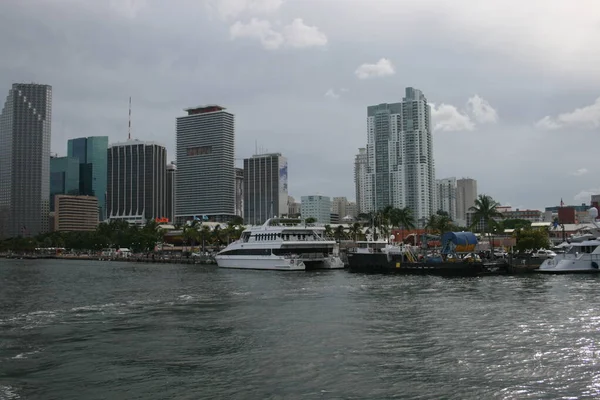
{"points": [[400, 169], [446, 196], [317, 207], [466, 194], [360, 180]]}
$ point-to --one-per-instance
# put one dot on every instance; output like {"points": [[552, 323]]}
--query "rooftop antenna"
{"points": [[129, 135]]}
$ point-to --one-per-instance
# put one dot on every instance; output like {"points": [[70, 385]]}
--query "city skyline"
{"points": [[497, 102]]}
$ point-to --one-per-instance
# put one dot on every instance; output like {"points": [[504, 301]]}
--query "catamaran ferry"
{"points": [[281, 244]]}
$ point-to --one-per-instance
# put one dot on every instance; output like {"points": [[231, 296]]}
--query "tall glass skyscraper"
{"points": [[64, 177], [205, 164], [265, 187], [401, 170], [92, 155], [25, 128]]}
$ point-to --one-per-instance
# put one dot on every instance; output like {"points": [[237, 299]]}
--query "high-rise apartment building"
{"points": [[170, 195], [25, 129], [361, 181], [205, 164], [466, 194], [352, 209], [137, 181], [93, 164], [64, 177], [239, 192], [401, 170], [317, 207], [265, 187], [446, 196]]}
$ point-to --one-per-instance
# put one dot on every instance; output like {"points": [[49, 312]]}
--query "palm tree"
{"points": [[485, 209], [432, 224], [404, 219], [204, 234], [355, 230], [339, 233], [328, 232]]}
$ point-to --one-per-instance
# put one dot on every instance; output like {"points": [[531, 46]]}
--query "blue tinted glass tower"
{"points": [[92, 155], [64, 177]]}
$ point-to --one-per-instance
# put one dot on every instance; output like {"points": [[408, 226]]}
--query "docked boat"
{"points": [[281, 244], [456, 258], [578, 257]]}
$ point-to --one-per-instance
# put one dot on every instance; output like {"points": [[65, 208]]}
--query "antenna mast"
{"points": [[129, 135]]}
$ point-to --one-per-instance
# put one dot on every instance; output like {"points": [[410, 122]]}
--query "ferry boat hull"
{"points": [[394, 264], [273, 263]]}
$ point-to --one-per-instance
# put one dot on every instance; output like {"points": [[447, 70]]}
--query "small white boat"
{"points": [[579, 257]]}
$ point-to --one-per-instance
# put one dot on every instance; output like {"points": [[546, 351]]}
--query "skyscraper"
{"points": [[446, 196], [466, 194], [205, 164], [360, 181], [25, 129], [170, 195], [92, 155], [265, 187], [239, 192], [137, 176], [401, 170], [64, 177]]}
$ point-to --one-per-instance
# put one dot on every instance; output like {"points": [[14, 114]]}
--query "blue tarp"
{"points": [[459, 238]]}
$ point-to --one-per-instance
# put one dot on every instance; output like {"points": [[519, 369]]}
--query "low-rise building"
{"points": [[75, 213], [317, 207]]}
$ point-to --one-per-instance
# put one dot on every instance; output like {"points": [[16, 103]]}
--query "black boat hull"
{"points": [[396, 264]]}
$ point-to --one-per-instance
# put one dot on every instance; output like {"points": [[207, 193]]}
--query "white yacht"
{"points": [[281, 244], [579, 257]]}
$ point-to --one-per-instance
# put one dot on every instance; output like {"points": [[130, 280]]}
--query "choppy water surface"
{"points": [[93, 330]]}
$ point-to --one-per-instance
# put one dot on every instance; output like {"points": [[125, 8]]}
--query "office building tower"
{"points": [[317, 207], [137, 180], [75, 213], [338, 206], [360, 181], [239, 192], [64, 177], [401, 170], [265, 187], [205, 164], [25, 129], [170, 192], [293, 207], [466, 194], [93, 164], [352, 209], [446, 196]]}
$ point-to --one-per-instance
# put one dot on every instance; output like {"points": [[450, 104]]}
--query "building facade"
{"points": [[170, 191], [239, 192], [25, 131], [338, 206], [317, 207], [401, 171], [361, 180], [294, 207], [64, 177], [75, 213], [466, 194], [446, 196], [93, 164], [265, 187], [352, 209], [205, 164], [137, 181]]}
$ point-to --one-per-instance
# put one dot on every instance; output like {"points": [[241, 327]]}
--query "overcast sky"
{"points": [[514, 85]]}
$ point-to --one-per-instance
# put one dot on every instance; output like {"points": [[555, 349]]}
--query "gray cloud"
{"points": [[170, 55]]}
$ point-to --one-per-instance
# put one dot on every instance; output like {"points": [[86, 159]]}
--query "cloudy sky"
{"points": [[514, 85]]}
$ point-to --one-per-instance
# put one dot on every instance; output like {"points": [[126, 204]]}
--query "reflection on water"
{"points": [[129, 331]]}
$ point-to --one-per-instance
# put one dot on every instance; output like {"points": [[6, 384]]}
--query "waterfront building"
{"points": [[361, 181], [92, 154], [400, 171], [205, 164], [466, 194], [64, 177], [137, 184], [25, 130], [75, 213], [265, 187], [170, 192], [352, 209], [317, 207], [239, 192], [446, 196]]}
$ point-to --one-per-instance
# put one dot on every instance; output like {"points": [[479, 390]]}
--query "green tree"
{"points": [[528, 239], [310, 220], [486, 210], [328, 231], [403, 218], [340, 233], [356, 231]]}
